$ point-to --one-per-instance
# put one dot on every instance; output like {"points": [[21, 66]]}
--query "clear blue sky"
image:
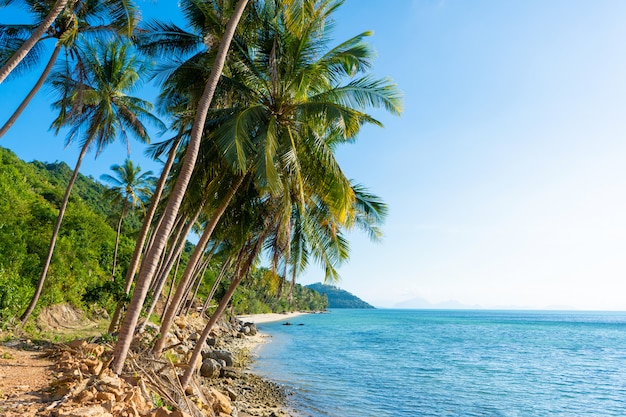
{"points": [[506, 174]]}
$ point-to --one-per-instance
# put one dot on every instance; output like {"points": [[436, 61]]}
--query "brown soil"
{"points": [[24, 378], [32, 377]]}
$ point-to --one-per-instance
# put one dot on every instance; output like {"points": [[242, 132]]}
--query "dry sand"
{"points": [[270, 317]]}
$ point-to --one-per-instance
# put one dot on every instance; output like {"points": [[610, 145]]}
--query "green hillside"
{"points": [[80, 273], [338, 298], [30, 194]]}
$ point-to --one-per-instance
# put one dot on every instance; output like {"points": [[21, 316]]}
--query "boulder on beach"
{"points": [[222, 355], [252, 330], [210, 368]]}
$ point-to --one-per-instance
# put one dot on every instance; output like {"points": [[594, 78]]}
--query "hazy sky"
{"points": [[505, 175]]}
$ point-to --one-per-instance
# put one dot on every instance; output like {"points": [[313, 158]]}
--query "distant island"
{"points": [[338, 298]]}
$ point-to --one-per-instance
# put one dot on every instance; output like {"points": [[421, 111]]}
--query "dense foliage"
{"points": [[80, 272], [259, 97], [338, 298], [29, 198]]}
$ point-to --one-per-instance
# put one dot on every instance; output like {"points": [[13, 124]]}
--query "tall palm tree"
{"points": [[18, 56], [77, 20], [97, 107], [151, 259], [282, 90], [131, 188], [285, 89]]}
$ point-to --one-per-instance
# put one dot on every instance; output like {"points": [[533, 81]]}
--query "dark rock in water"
{"points": [[287, 323], [210, 368], [300, 324]]}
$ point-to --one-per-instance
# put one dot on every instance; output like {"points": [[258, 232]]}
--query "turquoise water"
{"points": [[361, 363]]}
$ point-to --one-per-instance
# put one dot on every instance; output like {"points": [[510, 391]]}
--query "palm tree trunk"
{"points": [[117, 236], [147, 221], [33, 91], [55, 234], [214, 287], [171, 290], [156, 228], [220, 309], [199, 279], [177, 251], [166, 324], [195, 281], [293, 285], [143, 233], [21, 53], [177, 242], [180, 187]]}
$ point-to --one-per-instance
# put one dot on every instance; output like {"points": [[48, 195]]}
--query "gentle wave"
{"points": [[361, 363]]}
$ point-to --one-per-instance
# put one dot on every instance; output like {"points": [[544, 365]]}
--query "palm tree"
{"points": [[284, 92], [80, 18], [97, 105], [151, 259], [14, 60], [131, 188]]}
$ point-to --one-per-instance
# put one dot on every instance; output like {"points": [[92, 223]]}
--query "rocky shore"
{"points": [[81, 385]]}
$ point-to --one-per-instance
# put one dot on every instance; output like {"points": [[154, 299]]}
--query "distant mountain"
{"points": [[338, 298]]}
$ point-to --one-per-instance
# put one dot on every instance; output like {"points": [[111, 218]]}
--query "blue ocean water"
{"points": [[361, 363]]}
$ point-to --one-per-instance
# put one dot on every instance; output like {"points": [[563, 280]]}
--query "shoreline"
{"points": [[273, 396], [271, 317], [235, 390], [282, 406]]}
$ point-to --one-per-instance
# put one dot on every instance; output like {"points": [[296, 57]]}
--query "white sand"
{"points": [[270, 317]]}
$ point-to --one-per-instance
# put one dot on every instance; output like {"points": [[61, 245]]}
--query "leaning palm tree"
{"points": [[131, 188], [97, 107], [151, 259], [79, 19], [286, 86], [24, 49]]}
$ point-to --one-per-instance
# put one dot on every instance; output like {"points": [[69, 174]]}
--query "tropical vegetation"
{"points": [[258, 97], [80, 273]]}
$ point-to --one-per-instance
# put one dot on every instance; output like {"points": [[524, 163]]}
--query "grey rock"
{"points": [[230, 372], [252, 327], [210, 368], [223, 355]]}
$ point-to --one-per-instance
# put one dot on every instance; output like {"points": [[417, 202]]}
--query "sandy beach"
{"points": [[270, 317]]}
